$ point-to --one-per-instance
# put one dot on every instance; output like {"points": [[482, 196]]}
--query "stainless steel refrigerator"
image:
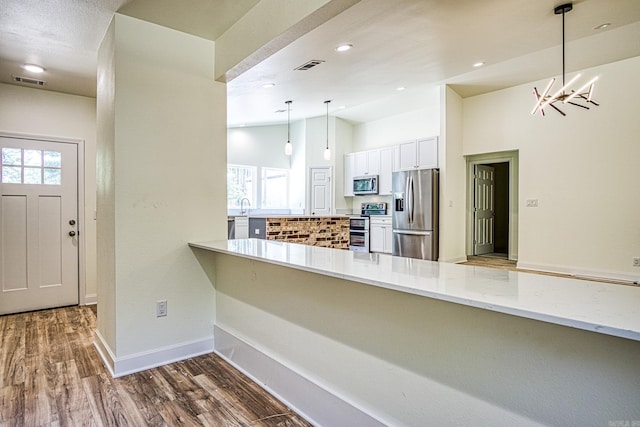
{"points": [[415, 213]]}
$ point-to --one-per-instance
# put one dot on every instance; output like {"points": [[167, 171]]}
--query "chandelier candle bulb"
{"points": [[556, 95], [544, 94], [579, 91]]}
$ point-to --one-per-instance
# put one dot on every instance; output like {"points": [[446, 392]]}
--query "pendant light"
{"points": [[327, 152], [288, 148], [563, 95]]}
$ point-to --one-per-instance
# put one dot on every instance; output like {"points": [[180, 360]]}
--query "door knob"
{"points": [[72, 222], [72, 233]]}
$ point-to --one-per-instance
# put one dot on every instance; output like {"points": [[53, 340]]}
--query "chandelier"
{"points": [[579, 98]]}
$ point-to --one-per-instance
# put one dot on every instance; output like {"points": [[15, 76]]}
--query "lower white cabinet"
{"points": [[380, 234], [242, 227]]}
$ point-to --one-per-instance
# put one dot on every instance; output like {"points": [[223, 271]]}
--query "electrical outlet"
{"points": [[257, 231], [636, 261], [532, 203], [161, 308]]}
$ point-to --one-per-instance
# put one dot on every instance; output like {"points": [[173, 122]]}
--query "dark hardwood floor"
{"points": [[51, 375]]}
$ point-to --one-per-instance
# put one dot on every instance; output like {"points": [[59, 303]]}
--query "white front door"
{"points": [[484, 210], [320, 202], [38, 225]]}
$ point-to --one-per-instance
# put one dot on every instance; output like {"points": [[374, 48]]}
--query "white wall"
{"points": [[397, 128], [452, 179], [343, 143], [52, 114], [581, 168], [298, 173], [163, 133], [258, 146]]}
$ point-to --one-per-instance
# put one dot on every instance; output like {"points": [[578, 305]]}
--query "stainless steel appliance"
{"points": [[415, 213], [359, 226], [373, 208], [365, 185], [359, 234]]}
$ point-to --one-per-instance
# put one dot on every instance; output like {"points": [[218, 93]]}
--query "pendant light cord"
{"points": [[563, 72], [288, 122]]}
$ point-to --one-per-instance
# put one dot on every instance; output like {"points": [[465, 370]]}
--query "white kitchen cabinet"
{"points": [[428, 153], [349, 168], [242, 227], [361, 163], [420, 154], [380, 234], [367, 163], [385, 184], [396, 158], [373, 162]]}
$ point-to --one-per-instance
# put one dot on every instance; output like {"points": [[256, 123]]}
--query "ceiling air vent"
{"points": [[310, 64], [29, 81]]}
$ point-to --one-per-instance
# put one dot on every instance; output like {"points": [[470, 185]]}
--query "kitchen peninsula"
{"points": [[369, 339]]}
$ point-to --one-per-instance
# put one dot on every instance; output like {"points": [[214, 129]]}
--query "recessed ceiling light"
{"points": [[478, 64], [33, 68], [400, 89], [602, 26], [268, 85], [343, 47]]}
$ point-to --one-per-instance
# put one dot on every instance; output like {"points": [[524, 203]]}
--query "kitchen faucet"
{"points": [[242, 211]]}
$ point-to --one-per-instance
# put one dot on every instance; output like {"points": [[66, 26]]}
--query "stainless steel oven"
{"points": [[359, 234]]}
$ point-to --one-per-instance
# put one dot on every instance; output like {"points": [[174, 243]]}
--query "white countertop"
{"points": [[593, 306]]}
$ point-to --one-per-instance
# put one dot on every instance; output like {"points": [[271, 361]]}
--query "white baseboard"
{"points": [[119, 367], [581, 273], [455, 260], [318, 405], [104, 351], [90, 299]]}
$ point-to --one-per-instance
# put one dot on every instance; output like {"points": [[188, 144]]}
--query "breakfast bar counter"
{"points": [[594, 306], [363, 339]]}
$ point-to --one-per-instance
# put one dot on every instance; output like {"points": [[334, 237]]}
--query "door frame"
{"points": [[310, 187], [82, 285], [510, 157]]}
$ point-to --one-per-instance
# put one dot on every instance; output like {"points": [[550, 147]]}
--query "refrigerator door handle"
{"points": [[406, 195], [413, 233], [410, 199]]}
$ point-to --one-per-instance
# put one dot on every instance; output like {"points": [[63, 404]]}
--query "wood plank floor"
{"points": [[505, 264], [51, 375]]}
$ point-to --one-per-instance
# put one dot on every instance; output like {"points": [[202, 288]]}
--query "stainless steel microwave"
{"points": [[365, 185]]}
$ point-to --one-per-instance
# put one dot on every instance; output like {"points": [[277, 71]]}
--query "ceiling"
{"points": [[415, 44]]}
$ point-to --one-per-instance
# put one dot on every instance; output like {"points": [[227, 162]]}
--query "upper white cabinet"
{"points": [[349, 173], [367, 163], [385, 182], [420, 154]]}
